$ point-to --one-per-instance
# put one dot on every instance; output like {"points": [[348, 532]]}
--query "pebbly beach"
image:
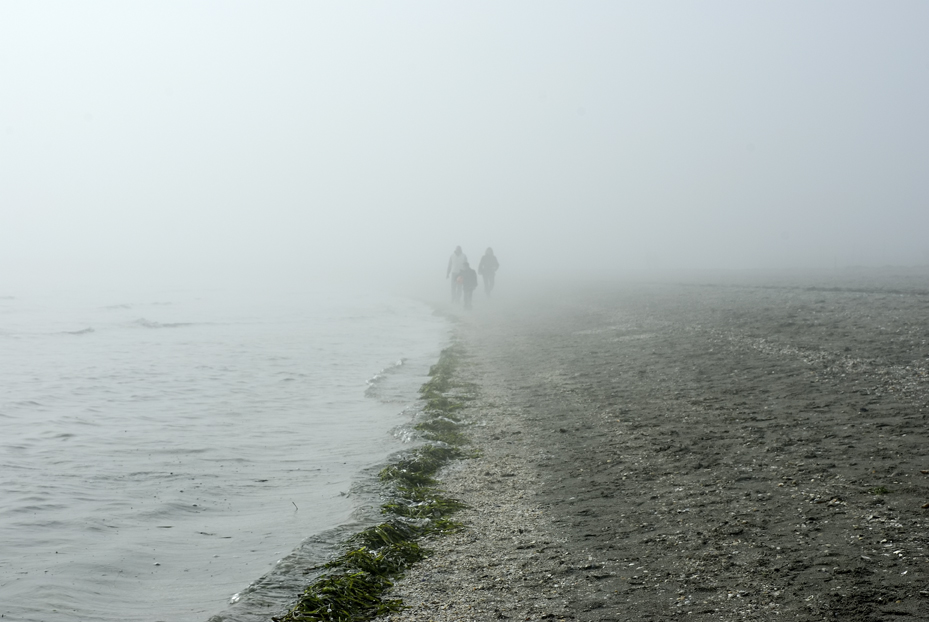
{"points": [[720, 450]]}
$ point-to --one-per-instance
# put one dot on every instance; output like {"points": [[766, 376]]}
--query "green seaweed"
{"points": [[418, 468], [441, 375], [442, 406], [425, 506], [344, 597], [352, 587], [449, 437], [387, 561]]}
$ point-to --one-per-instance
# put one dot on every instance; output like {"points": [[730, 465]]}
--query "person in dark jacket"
{"points": [[487, 269], [468, 283]]}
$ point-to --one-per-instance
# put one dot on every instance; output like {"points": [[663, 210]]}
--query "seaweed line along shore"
{"points": [[352, 586]]}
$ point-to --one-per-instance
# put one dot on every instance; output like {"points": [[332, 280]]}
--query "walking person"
{"points": [[455, 263], [468, 283], [487, 269]]}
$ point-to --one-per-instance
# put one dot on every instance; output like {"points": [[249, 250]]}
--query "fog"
{"points": [[228, 144]]}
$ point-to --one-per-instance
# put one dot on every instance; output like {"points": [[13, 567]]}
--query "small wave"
{"points": [[60, 435], [150, 324], [83, 331], [290, 375], [122, 306], [377, 378]]}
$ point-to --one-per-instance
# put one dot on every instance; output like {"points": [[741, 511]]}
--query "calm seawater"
{"points": [[187, 456]]}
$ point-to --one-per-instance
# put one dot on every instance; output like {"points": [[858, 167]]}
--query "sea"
{"points": [[194, 456]]}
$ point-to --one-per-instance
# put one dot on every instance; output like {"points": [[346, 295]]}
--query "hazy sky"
{"points": [[180, 143]]}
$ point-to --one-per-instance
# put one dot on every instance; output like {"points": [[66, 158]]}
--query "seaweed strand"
{"points": [[354, 585]]}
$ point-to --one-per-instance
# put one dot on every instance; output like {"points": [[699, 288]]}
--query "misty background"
{"points": [[232, 144]]}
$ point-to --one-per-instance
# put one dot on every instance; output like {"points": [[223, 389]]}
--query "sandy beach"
{"points": [[716, 451]]}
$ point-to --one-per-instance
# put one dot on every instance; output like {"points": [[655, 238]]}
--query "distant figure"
{"points": [[455, 263], [487, 269], [468, 283]]}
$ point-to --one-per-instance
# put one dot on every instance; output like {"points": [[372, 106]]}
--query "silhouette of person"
{"points": [[468, 283], [487, 269], [455, 263]]}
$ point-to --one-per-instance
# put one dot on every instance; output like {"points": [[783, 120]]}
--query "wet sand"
{"points": [[718, 452]]}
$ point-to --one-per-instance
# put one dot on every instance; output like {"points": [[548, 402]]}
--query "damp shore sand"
{"points": [[717, 452]]}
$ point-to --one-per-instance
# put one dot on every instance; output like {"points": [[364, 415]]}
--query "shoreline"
{"points": [[720, 453], [353, 583]]}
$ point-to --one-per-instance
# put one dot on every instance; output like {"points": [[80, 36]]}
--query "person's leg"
{"points": [[489, 283], [456, 288]]}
